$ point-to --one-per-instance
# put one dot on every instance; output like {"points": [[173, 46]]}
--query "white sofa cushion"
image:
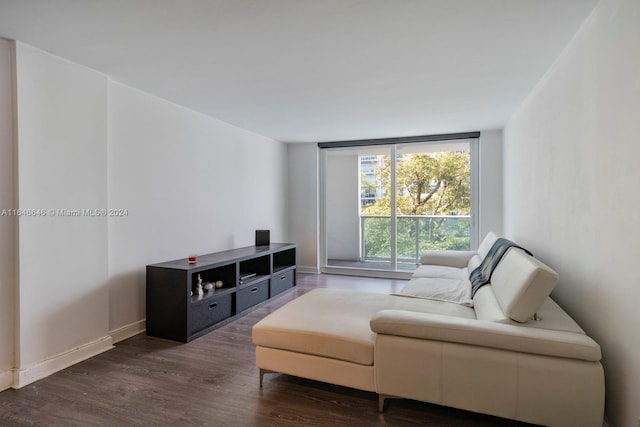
{"points": [[487, 306], [329, 324], [486, 244], [437, 327], [521, 283], [441, 289], [441, 272], [448, 258], [335, 323], [441, 283], [551, 316], [474, 262]]}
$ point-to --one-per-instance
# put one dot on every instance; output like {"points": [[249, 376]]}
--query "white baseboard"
{"points": [[44, 368], [127, 331], [305, 269], [6, 380]]}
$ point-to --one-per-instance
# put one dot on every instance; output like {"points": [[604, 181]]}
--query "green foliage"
{"points": [[433, 234], [377, 239], [429, 186]]}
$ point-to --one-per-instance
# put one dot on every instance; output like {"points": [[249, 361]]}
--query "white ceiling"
{"points": [[315, 70]]}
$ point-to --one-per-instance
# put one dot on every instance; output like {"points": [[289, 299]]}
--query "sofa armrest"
{"points": [[440, 327], [458, 259]]}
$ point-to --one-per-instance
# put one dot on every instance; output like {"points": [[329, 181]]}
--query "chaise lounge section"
{"points": [[508, 350]]}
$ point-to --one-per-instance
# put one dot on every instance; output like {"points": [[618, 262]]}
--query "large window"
{"points": [[385, 203]]}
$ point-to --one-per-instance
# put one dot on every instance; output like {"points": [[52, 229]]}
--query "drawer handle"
{"points": [[283, 277], [212, 306], [254, 290]]}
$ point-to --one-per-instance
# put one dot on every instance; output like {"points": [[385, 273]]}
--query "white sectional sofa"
{"points": [[509, 350]]}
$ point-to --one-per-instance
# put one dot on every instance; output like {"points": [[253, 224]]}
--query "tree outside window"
{"points": [[433, 201]]}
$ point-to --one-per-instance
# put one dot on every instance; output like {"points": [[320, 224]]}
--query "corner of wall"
{"points": [[8, 203], [65, 102], [46, 367]]}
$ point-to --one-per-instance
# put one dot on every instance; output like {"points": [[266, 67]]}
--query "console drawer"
{"points": [[206, 313], [252, 294], [280, 282]]}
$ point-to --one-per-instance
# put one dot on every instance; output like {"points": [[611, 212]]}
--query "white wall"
{"points": [[490, 183], [62, 164], [342, 205], [190, 184], [185, 182], [7, 222], [571, 178], [303, 161]]}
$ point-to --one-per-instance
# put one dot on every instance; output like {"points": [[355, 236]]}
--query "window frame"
{"points": [[473, 139]]}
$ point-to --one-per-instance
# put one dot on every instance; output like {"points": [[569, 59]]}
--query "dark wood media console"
{"points": [[248, 276]]}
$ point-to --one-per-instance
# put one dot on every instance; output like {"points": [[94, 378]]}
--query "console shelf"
{"points": [[248, 276]]}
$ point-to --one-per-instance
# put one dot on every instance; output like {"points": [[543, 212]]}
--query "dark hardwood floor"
{"points": [[213, 381]]}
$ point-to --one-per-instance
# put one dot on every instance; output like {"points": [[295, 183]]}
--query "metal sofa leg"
{"points": [[262, 372], [381, 399]]}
